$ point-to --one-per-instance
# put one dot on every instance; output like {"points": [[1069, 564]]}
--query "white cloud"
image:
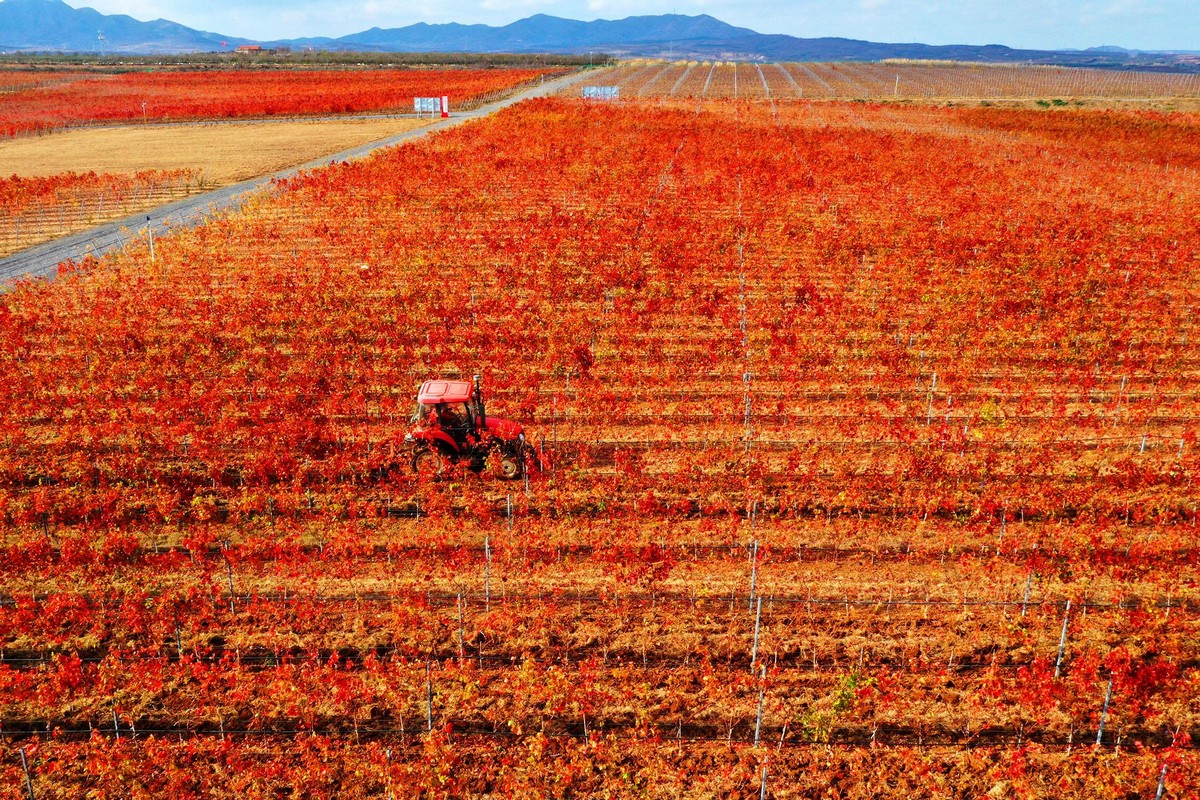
{"points": [[1121, 7], [514, 5]]}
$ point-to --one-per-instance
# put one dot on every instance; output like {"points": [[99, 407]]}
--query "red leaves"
{"points": [[118, 548], [229, 94], [24, 196], [725, 315], [66, 677], [584, 360]]}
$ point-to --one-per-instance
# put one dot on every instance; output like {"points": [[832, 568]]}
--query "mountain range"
{"points": [[53, 26]]}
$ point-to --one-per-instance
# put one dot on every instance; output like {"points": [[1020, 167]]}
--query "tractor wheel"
{"points": [[427, 463], [512, 465]]}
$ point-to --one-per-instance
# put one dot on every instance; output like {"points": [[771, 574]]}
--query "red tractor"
{"points": [[451, 427]]}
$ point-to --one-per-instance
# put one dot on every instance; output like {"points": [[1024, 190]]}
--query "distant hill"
{"points": [[52, 25], [542, 33], [700, 37]]}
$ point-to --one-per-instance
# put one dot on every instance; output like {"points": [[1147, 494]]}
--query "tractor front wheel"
{"points": [[512, 464], [429, 464]]}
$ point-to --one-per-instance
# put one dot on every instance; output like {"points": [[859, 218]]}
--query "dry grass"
{"points": [[225, 152]]}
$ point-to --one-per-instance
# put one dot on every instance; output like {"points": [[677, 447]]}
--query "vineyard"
{"points": [[871, 442], [35, 210], [15, 80], [890, 80], [78, 99]]}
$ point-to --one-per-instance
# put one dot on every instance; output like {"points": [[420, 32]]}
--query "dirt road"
{"points": [[42, 261]]}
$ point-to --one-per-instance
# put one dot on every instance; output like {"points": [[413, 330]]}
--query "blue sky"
{"points": [[1042, 24]]}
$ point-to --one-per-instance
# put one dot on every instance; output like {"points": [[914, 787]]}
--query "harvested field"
{"points": [[216, 154], [225, 152]]}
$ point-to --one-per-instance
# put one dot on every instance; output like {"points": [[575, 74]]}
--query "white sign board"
{"points": [[427, 105], [602, 92]]}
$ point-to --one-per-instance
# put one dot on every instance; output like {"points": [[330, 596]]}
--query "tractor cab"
{"points": [[449, 407]]}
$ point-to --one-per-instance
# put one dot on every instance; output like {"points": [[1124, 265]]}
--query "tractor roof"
{"points": [[434, 392]]}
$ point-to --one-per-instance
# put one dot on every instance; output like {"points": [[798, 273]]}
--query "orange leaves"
{"points": [[840, 256], [923, 372], [19, 196], [227, 94]]}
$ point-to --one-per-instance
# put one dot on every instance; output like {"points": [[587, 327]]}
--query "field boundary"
{"points": [[42, 261]]}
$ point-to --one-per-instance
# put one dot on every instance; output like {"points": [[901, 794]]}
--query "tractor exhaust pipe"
{"points": [[479, 401]]}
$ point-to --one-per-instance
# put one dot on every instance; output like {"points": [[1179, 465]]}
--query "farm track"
{"points": [[800, 636], [381, 498], [604, 450], [1156, 559], [258, 658], [678, 503], [733, 601], [42, 261], [669, 735]]}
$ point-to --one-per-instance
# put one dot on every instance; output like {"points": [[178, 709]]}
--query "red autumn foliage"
{"points": [[239, 94], [860, 394]]}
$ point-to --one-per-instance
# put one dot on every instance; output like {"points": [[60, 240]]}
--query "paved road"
{"points": [[42, 261]]}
